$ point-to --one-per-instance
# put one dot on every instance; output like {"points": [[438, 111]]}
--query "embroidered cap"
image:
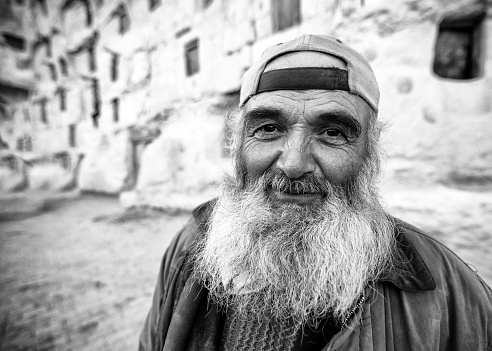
{"points": [[358, 77]]}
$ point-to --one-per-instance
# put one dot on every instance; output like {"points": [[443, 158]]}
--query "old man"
{"points": [[297, 253]]}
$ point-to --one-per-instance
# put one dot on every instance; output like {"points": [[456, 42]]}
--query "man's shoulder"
{"points": [[447, 269], [430, 249]]}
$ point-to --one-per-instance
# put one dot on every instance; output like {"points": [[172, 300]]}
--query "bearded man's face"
{"points": [[299, 233]]}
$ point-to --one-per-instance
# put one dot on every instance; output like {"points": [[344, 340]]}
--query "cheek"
{"points": [[257, 158], [339, 165]]}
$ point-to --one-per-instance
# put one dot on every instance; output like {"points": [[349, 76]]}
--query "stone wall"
{"points": [[121, 64]]}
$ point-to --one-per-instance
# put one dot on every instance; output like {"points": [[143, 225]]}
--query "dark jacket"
{"points": [[430, 300]]}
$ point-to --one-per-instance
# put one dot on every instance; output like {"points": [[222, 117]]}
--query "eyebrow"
{"points": [[344, 118], [262, 112]]}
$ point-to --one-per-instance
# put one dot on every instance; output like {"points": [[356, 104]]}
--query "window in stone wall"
{"points": [[153, 4], [285, 14], [92, 58], [42, 110], [72, 141], [27, 140], [88, 13], [201, 5], [121, 13], [95, 103], [115, 60], [43, 6], [62, 96], [20, 144], [86, 51], [191, 57], [115, 103], [14, 41], [64, 157], [458, 50], [63, 66], [91, 48], [124, 21], [47, 42], [3, 144], [53, 73]]}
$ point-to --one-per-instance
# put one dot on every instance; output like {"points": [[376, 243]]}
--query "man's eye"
{"points": [[267, 131], [334, 136], [268, 128]]}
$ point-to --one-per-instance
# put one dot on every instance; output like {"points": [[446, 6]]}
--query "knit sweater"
{"points": [[247, 332]]}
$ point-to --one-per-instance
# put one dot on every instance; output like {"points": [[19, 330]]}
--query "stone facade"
{"points": [[94, 70]]}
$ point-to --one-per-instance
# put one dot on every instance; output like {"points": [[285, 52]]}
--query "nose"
{"points": [[296, 159]]}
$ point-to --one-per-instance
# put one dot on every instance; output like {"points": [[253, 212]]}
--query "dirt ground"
{"points": [[80, 276], [77, 277]]}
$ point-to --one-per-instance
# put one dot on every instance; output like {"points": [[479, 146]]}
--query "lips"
{"points": [[294, 189], [298, 192], [300, 198]]}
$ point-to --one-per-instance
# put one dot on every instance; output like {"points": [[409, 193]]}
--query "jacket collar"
{"points": [[407, 270]]}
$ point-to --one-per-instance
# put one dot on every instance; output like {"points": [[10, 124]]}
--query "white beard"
{"points": [[290, 261]]}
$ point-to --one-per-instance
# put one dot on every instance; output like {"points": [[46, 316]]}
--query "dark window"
{"points": [[72, 135], [458, 51], [15, 42], [3, 144], [53, 74], [12, 162], [64, 157], [123, 18], [191, 57], [124, 22], [153, 4], [42, 110], [88, 14], [27, 143], [182, 32], [47, 42], [63, 66], [44, 6], [20, 144], [285, 14], [115, 60], [116, 109], [92, 58], [62, 93], [203, 4], [95, 102]]}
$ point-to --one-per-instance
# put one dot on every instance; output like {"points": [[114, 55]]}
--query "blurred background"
{"points": [[112, 128]]}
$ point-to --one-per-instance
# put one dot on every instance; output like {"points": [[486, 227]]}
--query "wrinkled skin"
{"points": [[318, 132]]}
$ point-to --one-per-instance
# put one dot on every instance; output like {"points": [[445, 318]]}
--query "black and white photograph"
{"points": [[234, 175]]}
